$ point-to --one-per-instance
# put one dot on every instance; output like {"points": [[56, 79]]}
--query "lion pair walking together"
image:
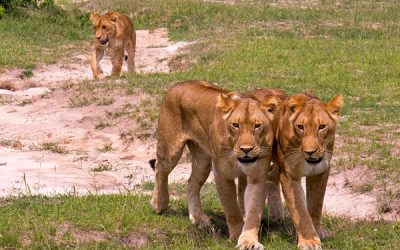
{"points": [[240, 135]]}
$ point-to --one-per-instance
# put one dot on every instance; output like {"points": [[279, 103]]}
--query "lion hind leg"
{"points": [[168, 154], [130, 50], [116, 60], [201, 168]]}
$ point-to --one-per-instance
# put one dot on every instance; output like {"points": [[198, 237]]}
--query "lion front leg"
{"points": [[227, 194], [316, 186], [295, 199], [97, 55], [276, 212], [255, 196]]}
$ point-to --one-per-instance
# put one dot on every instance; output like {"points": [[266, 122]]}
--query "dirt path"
{"points": [[49, 147]]}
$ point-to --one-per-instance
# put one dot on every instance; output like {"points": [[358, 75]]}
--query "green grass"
{"points": [[32, 36], [69, 222]]}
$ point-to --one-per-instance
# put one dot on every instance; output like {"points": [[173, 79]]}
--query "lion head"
{"points": [[308, 126], [248, 124], [104, 26]]}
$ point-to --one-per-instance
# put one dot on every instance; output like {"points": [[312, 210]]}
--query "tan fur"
{"points": [[276, 211], [305, 129], [115, 32], [218, 127]]}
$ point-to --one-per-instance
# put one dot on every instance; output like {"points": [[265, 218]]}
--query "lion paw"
{"points": [[99, 76], [201, 222], [159, 205], [314, 244], [249, 241]]}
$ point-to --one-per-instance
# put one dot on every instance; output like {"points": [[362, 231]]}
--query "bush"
{"points": [[9, 6], [2, 11]]}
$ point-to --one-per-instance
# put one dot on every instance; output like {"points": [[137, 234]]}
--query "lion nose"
{"points": [[98, 37], [310, 153], [246, 149]]}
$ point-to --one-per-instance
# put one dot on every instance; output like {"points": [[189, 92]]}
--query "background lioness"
{"points": [[116, 32], [227, 130], [305, 134]]}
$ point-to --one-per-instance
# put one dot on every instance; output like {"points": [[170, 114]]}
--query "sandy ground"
{"points": [[48, 118]]}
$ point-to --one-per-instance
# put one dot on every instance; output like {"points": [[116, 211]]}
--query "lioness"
{"points": [[305, 135], [116, 32], [224, 129]]}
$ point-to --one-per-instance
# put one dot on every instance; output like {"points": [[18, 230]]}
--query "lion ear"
{"points": [[271, 104], [113, 16], [335, 106], [226, 102], [293, 103], [94, 16], [296, 101]]}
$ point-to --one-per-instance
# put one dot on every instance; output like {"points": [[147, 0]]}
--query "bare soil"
{"points": [[36, 112]]}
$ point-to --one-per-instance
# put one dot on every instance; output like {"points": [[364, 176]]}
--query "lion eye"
{"points": [[104, 27], [257, 125], [300, 126], [322, 126], [235, 125]]}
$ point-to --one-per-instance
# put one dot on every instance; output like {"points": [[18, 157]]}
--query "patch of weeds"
{"points": [[13, 143], [76, 102], [54, 147], [67, 85], [5, 99], [178, 189], [102, 167], [107, 147], [124, 110], [101, 124], [145, 115], [104, 101], [86, 86], [25, 102], [148, 185], [364, 188], [27, 73]]}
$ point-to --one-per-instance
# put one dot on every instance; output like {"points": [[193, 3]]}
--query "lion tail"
{"points": [[152, 163]]}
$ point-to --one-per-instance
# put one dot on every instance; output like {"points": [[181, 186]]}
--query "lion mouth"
{"points": [[104, 42], [314, 161], [247, 159]]}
